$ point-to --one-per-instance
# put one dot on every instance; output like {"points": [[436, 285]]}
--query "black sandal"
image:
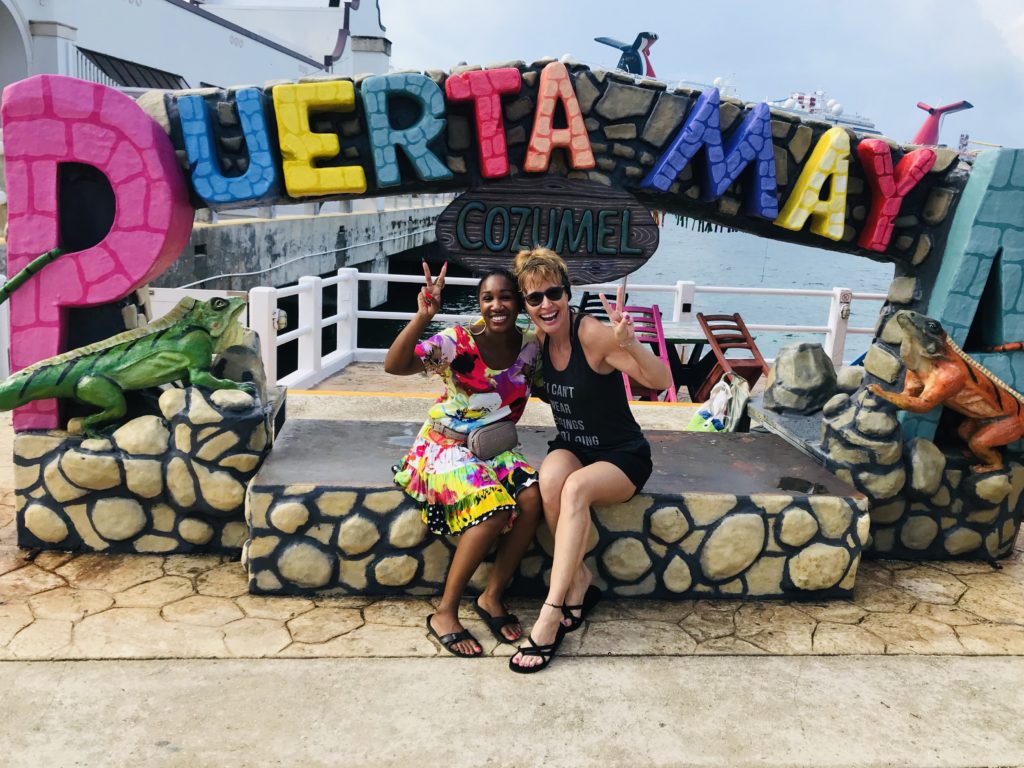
{"points": [[546, 653], [449, 640], [591, 598], [496, 623]]}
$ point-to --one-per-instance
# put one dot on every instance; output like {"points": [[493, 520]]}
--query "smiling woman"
{"points": [[599, 456], [477, 489]]}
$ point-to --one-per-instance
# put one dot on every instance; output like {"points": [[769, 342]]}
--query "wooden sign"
{"points": [[602, 233]]}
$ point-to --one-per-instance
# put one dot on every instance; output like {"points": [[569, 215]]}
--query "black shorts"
{"points": [[633, 460]]}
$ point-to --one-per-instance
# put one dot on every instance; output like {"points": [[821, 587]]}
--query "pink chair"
{"points": [[647, 326]]}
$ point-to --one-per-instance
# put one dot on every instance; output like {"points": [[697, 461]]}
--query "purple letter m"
{"points": [[752, 141]]}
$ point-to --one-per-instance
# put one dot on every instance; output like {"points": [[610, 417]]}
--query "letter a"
{"points": [[555, 84], [831, 157]]}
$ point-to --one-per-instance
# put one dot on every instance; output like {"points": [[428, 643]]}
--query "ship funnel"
{"points": [[928, 134]]}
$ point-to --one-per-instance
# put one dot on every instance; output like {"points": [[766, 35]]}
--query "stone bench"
{"points": [[712, 521]]}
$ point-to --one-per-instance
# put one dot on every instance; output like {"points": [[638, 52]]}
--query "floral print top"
{"points": [[476, 395]]}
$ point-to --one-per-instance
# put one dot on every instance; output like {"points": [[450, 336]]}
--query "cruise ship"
{"points": [[818, 106]]}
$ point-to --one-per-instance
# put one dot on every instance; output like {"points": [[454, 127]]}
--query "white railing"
{"points": [[313, 366]]}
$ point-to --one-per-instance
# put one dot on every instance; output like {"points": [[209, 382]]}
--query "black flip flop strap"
{"points": [[537, 650], [453, 637], [500, 622]]}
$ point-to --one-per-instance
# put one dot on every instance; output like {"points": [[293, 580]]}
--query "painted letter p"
{"points": [[49, 120]]}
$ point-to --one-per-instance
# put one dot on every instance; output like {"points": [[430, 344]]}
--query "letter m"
{"points": [[750, 143]]}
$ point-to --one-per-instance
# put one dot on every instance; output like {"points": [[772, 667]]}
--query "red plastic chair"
{"points": [[648, 330], [725, 333]]}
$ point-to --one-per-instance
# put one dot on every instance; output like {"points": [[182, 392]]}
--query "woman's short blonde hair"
{"points": [[540, 265]]}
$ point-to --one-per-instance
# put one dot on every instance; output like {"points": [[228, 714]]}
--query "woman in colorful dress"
{"points": [[599, 456], [488, 369]]}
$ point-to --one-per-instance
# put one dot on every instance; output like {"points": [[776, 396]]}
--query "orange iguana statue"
{"points": [[940, 373]]}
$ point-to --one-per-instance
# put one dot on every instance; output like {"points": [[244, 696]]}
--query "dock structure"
{"points": [[911, 641]]}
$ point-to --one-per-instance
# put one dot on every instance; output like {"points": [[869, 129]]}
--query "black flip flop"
{"points": [[591, 598], [449, 640], [496, 623], [546, 653]]}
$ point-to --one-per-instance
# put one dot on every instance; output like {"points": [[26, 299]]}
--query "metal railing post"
{"points": [[348, 306], [682, 306], [838, 320], [262, 319], [311, 315]]}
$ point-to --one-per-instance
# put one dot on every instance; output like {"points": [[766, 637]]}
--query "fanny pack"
{"points": [[484, 442]]}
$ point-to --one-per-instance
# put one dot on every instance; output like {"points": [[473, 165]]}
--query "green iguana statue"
{"points": [[179, 345]]}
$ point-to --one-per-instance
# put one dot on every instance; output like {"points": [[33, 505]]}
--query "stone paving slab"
{"points": [[121, 607], [62, 606], [740, 712]]}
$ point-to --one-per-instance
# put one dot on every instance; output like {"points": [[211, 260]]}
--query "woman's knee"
{"points": [[550, 491], [575, 494], [491, 527], [529, 501]]}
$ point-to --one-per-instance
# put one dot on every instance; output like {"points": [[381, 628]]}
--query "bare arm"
{"points": [[401, 359]]}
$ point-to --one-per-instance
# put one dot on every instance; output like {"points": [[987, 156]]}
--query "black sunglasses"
{"points": [[554, 293]]}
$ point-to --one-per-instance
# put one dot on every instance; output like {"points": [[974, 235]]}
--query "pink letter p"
{"points": [[48, 120]]}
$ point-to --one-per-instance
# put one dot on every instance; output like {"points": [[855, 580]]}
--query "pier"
{"points": [[915, 641]]}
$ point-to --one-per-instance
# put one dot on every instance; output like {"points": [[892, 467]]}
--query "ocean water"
{"points": [[738, 259], [718, 259]]}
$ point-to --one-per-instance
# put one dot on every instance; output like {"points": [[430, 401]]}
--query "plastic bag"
{"points": [[725, 409]]}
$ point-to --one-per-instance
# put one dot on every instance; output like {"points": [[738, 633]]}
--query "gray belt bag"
{"points": [[488, 441], [484, 442]]}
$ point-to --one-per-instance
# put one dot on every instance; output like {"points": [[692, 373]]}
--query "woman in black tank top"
{"points": [[600, 455]]}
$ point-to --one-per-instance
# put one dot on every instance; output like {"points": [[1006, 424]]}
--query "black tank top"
{"points": [[590, 408]]}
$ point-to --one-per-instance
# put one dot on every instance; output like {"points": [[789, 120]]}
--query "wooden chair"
{"points": [[725, 333], [647, 327]]}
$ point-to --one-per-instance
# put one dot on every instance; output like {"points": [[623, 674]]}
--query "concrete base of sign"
{"points": [[168, 483], [723, 515], [926, 503]]}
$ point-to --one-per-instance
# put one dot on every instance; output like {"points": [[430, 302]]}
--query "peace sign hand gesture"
{"points": [[622, 323], [428, 300]]}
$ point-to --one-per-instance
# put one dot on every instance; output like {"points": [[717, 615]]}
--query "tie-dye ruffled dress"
{"points": [[456, 489]]}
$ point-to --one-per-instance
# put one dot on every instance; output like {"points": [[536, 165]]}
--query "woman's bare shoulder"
{"points": [[593, 331]]}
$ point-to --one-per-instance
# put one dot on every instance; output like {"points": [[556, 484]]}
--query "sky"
{"points": [[876, 57]]}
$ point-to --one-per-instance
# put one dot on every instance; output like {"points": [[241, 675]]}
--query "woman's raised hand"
{"points": [[429, 298], [622, 323]]}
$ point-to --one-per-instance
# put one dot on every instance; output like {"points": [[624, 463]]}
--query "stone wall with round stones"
{"points": [[169, 483], [372, 541], [925, 503]]}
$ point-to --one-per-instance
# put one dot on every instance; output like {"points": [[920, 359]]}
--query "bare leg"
{"points": [[511, 548], [600, 483], [473, 545]]}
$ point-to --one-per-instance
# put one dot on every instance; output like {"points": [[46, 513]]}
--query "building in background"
{"points": [[174, 44]]}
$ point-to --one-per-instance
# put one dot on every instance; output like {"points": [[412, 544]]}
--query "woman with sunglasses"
{"points": [[488, 369], [600, 455]]}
